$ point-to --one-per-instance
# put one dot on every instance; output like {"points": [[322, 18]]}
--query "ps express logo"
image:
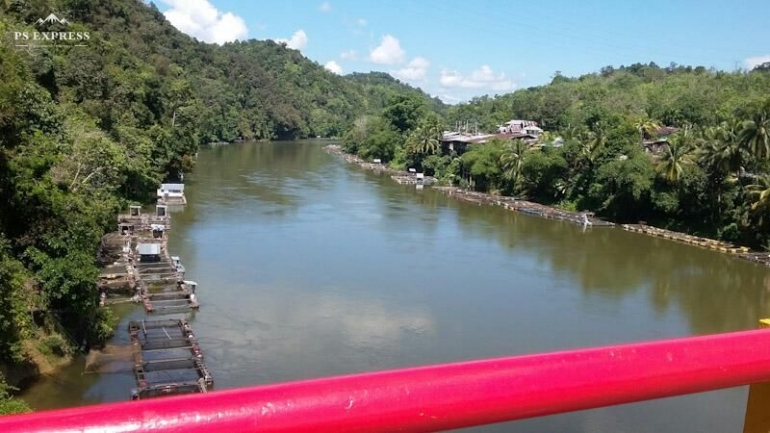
{"points": [[50, 38]]}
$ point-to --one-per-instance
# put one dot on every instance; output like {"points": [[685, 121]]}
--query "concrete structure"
{"points": [[172, 193]]}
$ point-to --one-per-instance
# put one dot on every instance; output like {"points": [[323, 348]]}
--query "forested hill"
{"points": [[673, 95], [250, 90], [375, 82], [86, 129]]}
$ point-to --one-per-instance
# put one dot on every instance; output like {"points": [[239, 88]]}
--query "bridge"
{"points": [[450, 396]]}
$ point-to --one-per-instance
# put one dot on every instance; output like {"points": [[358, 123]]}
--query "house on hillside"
{"points": [[520, 126], [656, 141], [459, 143]]}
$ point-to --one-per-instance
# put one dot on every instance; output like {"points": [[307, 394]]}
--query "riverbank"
{"points": [[526, 207], [550, 212], [400, 176]]}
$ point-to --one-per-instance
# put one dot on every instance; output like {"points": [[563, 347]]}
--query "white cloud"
{"points": [[325, 7], [450, 99], [200, 19], [298, 40], [333, 66], [362, 22], [482, 78], [416, 70], [753, 62], [389, 51], [348, 55]]}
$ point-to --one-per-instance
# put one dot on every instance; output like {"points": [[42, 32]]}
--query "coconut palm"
{"points": [[645, 126], [677, 155], [512, 159], [720, 150], [592, 144], [759, 194], [755, 136], [424, 141], [434, 126]]}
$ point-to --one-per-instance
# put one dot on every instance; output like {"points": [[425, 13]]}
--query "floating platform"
{"points": [[547, 212], [177, 297], [169, 303], [412, 180], [527, 207], [167, 359], [711, 244]]}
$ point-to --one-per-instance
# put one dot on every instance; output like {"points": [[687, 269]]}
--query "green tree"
{"points": [[677, 155], [404, 112], [482, 165], [512, 160], [755, 136], [646, 126], [759, 196]]}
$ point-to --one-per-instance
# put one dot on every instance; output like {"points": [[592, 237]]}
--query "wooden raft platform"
{"points": [[169, 299], [167, 359]]}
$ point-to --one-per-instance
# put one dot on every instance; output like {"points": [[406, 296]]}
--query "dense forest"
{"points": [[86, 129], [710, 177]]}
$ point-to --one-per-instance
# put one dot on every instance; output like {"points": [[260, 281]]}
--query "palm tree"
{"points": [[434, 126], [593, 142], [677, 155], [755, 136], [759, 194], [721, 155], [720, 150], [424, 141], [512, 159], [645, 126]]}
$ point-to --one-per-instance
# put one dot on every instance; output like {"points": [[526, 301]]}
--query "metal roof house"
{"points": [[456, 142]]}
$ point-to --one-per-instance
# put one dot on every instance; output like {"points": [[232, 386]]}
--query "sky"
{"points": [[457, 50]]}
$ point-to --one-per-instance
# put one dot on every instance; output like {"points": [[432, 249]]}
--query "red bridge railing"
{"points": [[440, 397]]}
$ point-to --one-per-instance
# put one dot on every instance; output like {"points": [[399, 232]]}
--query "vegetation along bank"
{"points": [[84, 130], [682, 148]]}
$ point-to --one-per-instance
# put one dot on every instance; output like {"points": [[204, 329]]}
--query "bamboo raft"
{"points": [[744, 253], [526, 207]]}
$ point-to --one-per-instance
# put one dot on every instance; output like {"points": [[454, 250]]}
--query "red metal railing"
{"points": [[440, 397]]}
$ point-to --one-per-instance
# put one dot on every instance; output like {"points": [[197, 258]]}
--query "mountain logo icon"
{"points": [[52, 18]]}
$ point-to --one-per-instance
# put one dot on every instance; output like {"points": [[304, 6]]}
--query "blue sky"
{"points": [[459, 49]]}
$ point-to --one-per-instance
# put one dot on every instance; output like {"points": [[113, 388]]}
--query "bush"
{"points": [[54, 345]]}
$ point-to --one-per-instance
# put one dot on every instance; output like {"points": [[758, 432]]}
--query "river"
{"points": [[309, 267]]}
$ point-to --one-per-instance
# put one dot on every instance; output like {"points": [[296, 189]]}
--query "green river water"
{"points": [[310, 267]]}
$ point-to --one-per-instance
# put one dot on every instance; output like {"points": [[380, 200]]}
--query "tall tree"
{"points": [[646, 126], [512, 160], [677, 155], [755, 136]]}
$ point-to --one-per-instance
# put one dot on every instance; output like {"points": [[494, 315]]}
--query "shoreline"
{"points": [[336, 150], [553, 213]]}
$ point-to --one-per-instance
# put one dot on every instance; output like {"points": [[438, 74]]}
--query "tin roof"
{"points": [[172, 186], [148, 249]]}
